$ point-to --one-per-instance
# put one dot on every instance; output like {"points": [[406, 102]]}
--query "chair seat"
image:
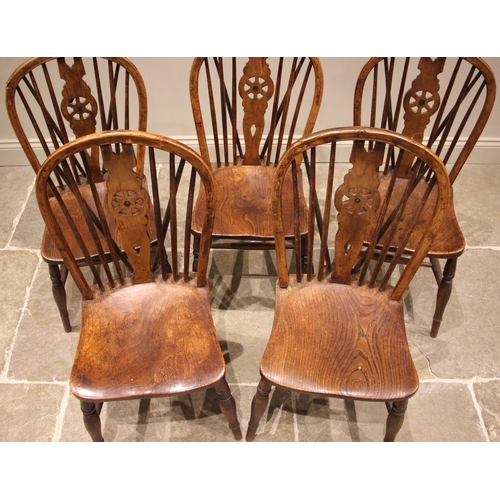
{"points": [[449, 241], [243, 208], [148, 340], [339, 341], [49, 250]]}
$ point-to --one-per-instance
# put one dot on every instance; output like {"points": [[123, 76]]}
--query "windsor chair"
{"points": [[147, 328], [444, 104], [247, 113], [51, 101], [341, 332]]}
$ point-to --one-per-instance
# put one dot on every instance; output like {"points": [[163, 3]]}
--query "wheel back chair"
{"points": [[444, 104], [341, 332], [146, 328], [51, 101], [247, 113]]}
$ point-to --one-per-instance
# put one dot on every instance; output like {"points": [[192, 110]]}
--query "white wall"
{"points": [[170, 114]]}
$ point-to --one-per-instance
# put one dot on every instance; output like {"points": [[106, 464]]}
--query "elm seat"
{"points": [[318, 325], [133, 342]]}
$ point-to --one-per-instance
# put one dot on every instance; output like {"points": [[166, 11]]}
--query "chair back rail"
{"points": [[121, 225], [252, 110], [352, 204], [442, 102]]}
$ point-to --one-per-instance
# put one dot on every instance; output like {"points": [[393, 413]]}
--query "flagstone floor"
{"points": [[459, 396]]}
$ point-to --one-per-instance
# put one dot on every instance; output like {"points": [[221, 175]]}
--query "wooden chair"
{"points": [[53, 100], [146, 328], [341, 333], [247, 113], [443, 104]]}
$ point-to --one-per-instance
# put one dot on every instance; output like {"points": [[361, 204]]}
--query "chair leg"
{"points": [[228, 407], [395, 419], [91, 419], [196, 251], [443, 295], [59, 293], [259, 405]]}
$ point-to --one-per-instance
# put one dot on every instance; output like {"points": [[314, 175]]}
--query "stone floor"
{"points": [[458, 399]]}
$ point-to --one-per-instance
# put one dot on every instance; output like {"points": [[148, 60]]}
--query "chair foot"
{"points": [[59, 294], [228, 407], [443, 295], [395, 419], [259, 405], [91, 420]]}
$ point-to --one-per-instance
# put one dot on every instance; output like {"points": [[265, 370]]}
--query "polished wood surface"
{"points": [[444, 103], [247, 113], [51, 101], [147, 328], [340, 332]]}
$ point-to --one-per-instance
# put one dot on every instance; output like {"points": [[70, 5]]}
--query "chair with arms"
{"points": [[341, 333], [51, 101], [147, 328], [444, 104], [247, 113]]}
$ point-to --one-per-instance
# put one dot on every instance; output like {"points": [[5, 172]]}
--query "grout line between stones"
{"points": [[479, 411], [60, 417], [10, 350]]}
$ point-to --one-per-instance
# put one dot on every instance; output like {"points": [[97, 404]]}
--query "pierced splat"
{"points": [[420, 103], [128, 203], [79, 106], [356, 200], [256, 89]]}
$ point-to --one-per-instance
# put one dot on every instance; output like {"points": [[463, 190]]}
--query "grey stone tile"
{"points": [[29, 229], [42, 349], [243, 279], [243, 336], [14, 185], [477, 204], [18, 268], [438, 412], [488, 398], [442, 412], [468, 344], [28, 412]]}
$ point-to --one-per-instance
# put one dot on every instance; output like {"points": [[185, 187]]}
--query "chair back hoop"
{"points": [[248, 111], [443, 102], [52, 100], [136, 228], [357, 204]]}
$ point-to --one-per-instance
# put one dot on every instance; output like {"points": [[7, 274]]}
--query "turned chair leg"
{"points": [[228, 407], [59, 294], [395, 419], [259, 405], [443, 295], [91, 419]]}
